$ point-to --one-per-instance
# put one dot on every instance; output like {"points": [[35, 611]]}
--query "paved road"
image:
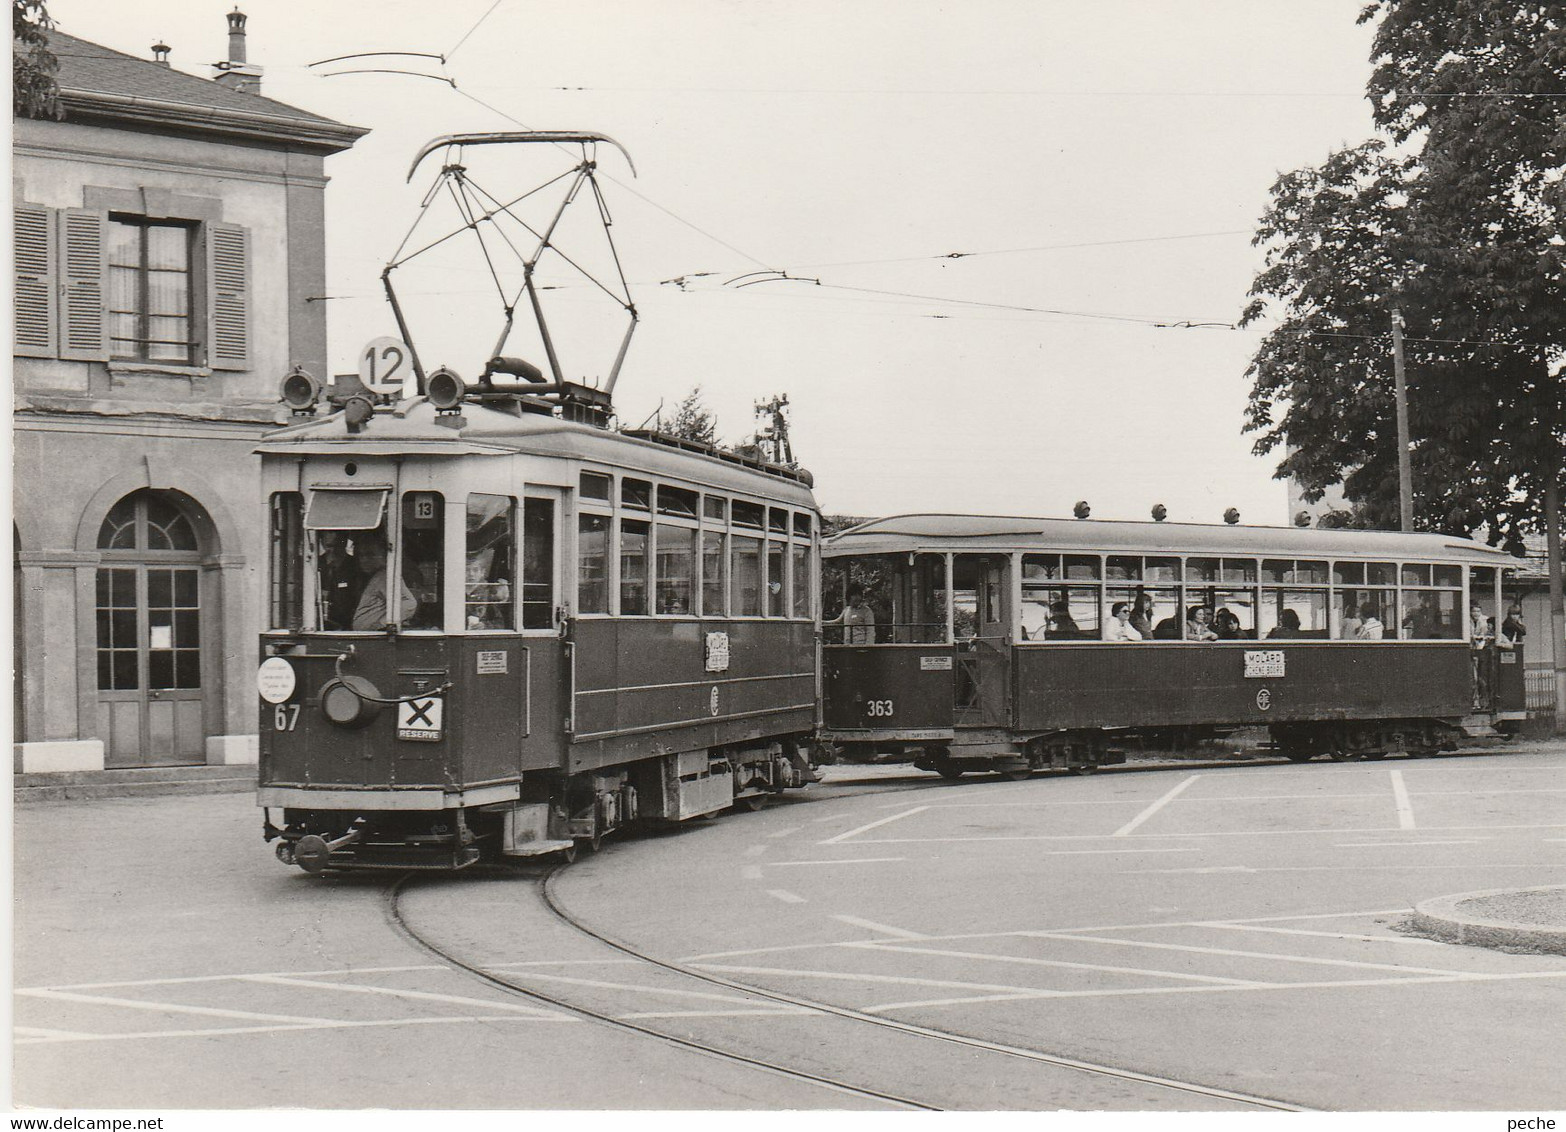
{"points": [[1235, 928]]}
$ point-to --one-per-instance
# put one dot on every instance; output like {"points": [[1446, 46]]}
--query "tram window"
{"points": [[1234, 613], [1082, 566], [423, 557], [1123, 568], [1285, 570], [745, 575], [1161, 570], [538, 563], [747, 514], [1348, 573], [595, 485], [801, 569], [1040, 567], [1415, 574], [592, 555], [1448, 577], [1432, 615], [286, 576], [714, 567], [1201, 569], [636, 494], [676, 501], [633, 567], [905, 595], [776, 579], [1310, 606], [716, 508], [777, 520], [1354, 610], [1237, 570], [1481, 601], [1060, 613], [1380, 574], [676, 567], [801, 525], [490, 567]]}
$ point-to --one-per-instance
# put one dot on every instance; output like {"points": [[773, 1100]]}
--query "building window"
{"points": [[149, 294]]}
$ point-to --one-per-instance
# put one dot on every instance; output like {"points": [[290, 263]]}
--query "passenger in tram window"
{"points": [[857, 619], [1349, 629], [1370, 627], [1119, 627], [1227, 625], [1061, 623], [371, 611], [1288, 626], [1142, 616], [1512, 629], [1479, 626], [1200, 625], [1168, 629]]}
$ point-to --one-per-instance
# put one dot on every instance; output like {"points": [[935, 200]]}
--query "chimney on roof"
{"points": [[160, 53], [236, 72]]}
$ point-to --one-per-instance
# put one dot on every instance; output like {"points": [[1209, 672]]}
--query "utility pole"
{"points": [[1405, 467], [1552, 537]]}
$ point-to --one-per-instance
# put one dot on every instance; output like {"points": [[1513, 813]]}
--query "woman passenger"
{"points": [[1142, 616], [1118, 627], [1288, 626], [1199, 627]]}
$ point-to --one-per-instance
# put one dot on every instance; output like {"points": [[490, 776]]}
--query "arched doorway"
{"points": [[149, 640]]}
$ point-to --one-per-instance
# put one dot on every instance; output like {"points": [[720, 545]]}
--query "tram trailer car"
{"points": [[979, 642], [592, 628]]}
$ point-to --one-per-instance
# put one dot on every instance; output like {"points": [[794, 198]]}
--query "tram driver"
{"points": [[857, 619], [371, 612]]}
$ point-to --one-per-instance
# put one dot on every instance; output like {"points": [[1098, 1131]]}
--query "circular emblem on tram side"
{"points": [[275, 680], [712, 702], [1263, 699]]}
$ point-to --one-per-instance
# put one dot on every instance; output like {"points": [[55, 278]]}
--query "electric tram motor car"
{"points": [[498, 627], [983, 643]]}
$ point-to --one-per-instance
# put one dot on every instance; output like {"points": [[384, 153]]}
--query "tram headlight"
{"points": [[350, 701], [445, 389], [300, 390]]}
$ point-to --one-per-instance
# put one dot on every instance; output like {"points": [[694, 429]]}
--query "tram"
{"points": [[499, 628], [986, 643]]}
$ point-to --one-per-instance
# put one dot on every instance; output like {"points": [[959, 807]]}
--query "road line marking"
{"points": [[1318, 960], [751, 872], [840, 861], [871, 925], [174, 1007], [756, 850], [1401, 844], [1343, 868], [786, 896], [46, 1032], [1125, 830], [873, 825], [1033, 961], [1207, 833], [641, 989], [227, 1031], [338, 971], [849, 976], [398, 992], [786, 830], [1405, 808], [1326, 935]]}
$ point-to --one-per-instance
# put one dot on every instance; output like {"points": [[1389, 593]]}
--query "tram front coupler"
{"points": [[312, 852]]}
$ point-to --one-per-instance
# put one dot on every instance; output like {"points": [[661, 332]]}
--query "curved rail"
{"points": [[394, 914], [910, 1028]]}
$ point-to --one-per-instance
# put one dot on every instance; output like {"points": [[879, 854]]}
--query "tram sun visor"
{"points": [[341, 509]]}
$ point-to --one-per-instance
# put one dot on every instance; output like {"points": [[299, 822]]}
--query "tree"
{"points": [[693, 421], [1455, 219], [34, 92]]}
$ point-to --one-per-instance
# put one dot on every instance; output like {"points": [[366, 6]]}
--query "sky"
{"points": [[1101, 166]]}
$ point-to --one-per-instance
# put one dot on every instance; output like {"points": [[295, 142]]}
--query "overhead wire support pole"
{"points": [[1405, 467], [402, 328]]}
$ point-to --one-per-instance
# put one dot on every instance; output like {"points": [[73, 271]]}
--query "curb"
{"points": [[1443, 919]]}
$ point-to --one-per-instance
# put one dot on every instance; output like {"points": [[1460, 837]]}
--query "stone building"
{"points": [[169, 257]]}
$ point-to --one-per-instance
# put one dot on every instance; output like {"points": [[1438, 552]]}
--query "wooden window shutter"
{"points": [[228, 293], [84, 258], [37, 313]]}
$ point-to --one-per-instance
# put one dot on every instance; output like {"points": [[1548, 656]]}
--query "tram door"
{"points": [[981, 626]]}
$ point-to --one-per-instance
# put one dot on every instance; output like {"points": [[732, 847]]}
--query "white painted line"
{"points": [[751, 872], [675, 992], [227, 1031], [1405, 808], [840, 861], [398, 992], [1327, 935], [175, 1008], [1272, 956], [45, 1032], [1033, 961], [852, 977], [886, 929], [786, 896], [339, 972], [1350, 868], [785, 831], [1401, 844], [1125, 830], [873, 825], [756, 850]]}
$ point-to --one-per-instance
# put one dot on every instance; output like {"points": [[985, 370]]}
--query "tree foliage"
{"points": [[34, 92], [693, 421], [1455, 218]]}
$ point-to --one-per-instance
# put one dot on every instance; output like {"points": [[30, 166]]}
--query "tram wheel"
{"points": [[754, 802], [1085, 770], [949, 772], [1339, 756], [1017, 775], [1373, 755], [1299, 756]]}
